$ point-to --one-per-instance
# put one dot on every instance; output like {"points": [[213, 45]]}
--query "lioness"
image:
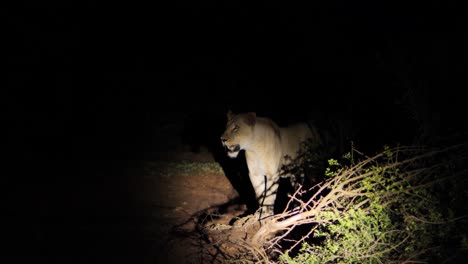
{"points": [[267, 148]]}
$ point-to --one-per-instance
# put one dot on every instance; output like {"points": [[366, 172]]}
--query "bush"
{"points": [[403, 205]]}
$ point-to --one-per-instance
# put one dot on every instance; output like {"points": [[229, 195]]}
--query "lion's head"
{"points": [[238, 133]]}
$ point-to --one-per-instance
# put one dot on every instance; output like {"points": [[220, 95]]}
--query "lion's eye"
{"points": [[236, 127]]}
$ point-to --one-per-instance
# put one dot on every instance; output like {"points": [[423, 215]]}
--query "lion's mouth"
{"points": [[234, 148]]}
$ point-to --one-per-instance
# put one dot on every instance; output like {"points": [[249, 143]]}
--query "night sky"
{"points": [[90, 84]]}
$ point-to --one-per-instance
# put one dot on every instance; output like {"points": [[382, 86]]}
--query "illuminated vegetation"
{"points": [[404, 205]]}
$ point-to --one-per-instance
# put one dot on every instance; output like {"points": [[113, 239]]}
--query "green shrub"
{"points": [[402, 205]]}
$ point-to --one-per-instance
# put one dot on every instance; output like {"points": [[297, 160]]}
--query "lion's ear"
{"points": [[230, 115], [251, 118]]}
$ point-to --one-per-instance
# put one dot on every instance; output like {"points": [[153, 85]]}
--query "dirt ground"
{"points": [[184, 206]]}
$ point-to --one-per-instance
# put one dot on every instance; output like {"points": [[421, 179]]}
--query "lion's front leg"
{"points": [[265, 191], [271, 188]]}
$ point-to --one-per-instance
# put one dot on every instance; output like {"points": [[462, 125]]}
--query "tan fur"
{"points": [[267, 148]]}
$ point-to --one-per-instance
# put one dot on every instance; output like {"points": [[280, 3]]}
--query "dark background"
{"points": [[91, 86]]}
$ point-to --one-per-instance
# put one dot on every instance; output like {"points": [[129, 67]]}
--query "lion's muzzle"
{"points": [[234, 148]]}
